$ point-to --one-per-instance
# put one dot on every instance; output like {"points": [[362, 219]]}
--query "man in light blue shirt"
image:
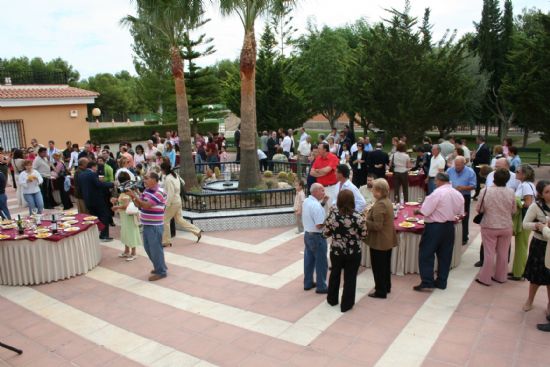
{"points": [[367, 146], [342, 175], [315, 250], [464, 180]]}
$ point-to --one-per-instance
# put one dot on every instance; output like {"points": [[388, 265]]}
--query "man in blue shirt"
{"points": [[463, 179], [315, 251]]}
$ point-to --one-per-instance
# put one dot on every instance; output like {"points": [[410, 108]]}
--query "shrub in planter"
{"points": [[268, 174], [270, 184], [282, 176]]}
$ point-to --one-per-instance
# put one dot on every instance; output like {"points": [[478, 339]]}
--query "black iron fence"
{"points": [[11, 77], [236, 200]]}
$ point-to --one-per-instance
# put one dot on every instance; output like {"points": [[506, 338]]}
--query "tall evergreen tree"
{"points": [[492, 42], [203, 88]]}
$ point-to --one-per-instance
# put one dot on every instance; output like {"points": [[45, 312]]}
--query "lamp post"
{"points": [[96, 112]]}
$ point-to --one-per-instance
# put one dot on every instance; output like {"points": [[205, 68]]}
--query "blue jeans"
{"points": [[431, 185], [35, 201], [315, 258], [152, 243], [4, 211], [437, 240]]}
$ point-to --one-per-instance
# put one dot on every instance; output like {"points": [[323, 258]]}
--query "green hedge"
{"points": [[140, 133]]}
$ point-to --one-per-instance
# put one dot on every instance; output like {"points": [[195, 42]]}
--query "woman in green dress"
{"points": [[129, 227]]}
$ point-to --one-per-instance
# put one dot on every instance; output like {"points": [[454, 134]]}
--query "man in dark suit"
{"points": [[482, 155], [237, 137], [377, 161], [359, 165], [93, 192]]}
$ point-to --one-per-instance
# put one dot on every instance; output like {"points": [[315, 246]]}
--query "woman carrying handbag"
{"points": [[497, 205]]}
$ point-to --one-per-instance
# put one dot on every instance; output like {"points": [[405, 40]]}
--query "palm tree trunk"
{"points": [[187, 165], [249, 175]]}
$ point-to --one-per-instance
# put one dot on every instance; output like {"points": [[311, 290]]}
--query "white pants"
{"points": [[332, 193]]}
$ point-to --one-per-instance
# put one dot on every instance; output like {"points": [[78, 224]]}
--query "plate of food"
{"points": [[421, 222], [88, 222], [9, 226], [91, 217], [21, 237], [70, 212], [43, 235], [64, 219], [71, 229], [413, 173], [6, 222], [406, 225], [412, 203], [4, 236], [412, 219], [42, 230], [70, 222]]}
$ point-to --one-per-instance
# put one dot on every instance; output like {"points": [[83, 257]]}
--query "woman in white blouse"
{"points": [[526, 192], [30, 181]]}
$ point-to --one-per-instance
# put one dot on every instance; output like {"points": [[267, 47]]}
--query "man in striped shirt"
{"points": [[151, 206]]}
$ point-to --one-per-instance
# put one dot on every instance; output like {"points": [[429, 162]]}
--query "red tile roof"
{"points": [[43, 91]]}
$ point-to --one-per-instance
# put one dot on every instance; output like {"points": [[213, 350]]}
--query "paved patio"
{"points": [[236, 299]]}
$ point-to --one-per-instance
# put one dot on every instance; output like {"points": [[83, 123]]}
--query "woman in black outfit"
{"points": [[347, 229], [536, 272]]}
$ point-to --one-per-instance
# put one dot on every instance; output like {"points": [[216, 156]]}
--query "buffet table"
{"points": [[405, 255], [41, 257], [417, 185]]}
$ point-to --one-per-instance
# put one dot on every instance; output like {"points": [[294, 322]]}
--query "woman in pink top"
{"points": [[497, 204]]}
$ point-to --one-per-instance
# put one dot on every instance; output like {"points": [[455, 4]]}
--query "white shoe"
{"points": [[131, 258], [123, 255]]}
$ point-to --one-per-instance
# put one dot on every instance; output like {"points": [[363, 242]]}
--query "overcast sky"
{"points": [[88, 35]]}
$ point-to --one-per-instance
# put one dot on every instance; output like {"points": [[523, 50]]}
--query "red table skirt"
{"points": [[414, 180], [405, 213]]}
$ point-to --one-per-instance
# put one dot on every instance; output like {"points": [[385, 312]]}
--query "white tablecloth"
{"points": [[35, 262], [415, 193], [404, 259]]}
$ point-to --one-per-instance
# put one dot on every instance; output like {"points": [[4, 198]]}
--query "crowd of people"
{"points": [[140, 184], [349, 201], [359, 213]]}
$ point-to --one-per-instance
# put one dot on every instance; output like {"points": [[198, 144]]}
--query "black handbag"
{"points": [[477, 219]]}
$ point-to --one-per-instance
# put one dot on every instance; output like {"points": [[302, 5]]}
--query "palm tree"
{"points": [[164, 23], [248, 11]]}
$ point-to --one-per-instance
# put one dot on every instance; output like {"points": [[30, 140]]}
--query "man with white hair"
{"points": [[315, 249], [512, 183], [463, 179]]}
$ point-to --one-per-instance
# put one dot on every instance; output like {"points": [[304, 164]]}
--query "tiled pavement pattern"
{"points": [[236, 299]]}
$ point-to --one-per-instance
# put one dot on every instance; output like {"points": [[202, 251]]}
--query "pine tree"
{"points": [[203, 89], [492, 42]]}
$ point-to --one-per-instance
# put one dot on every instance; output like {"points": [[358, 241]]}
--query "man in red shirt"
{"points": [[324, 170]]}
